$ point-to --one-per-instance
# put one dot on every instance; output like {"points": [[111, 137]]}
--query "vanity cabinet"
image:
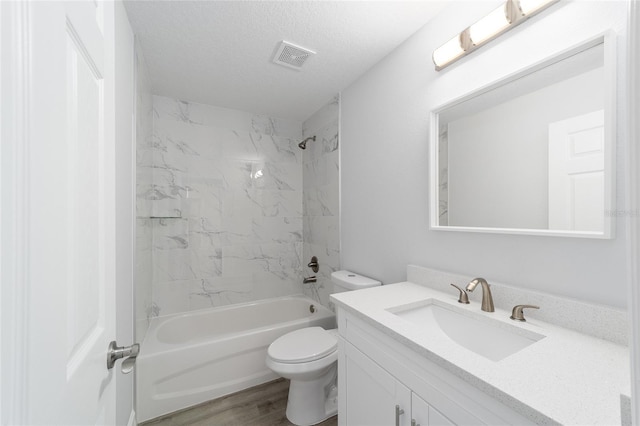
{"points": [[377, 374], [375, 397]]}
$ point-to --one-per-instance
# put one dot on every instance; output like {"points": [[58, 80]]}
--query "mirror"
{"points": [[532, 153]]}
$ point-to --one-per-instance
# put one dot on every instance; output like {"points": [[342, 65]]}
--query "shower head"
{"points": [[303, 144]]}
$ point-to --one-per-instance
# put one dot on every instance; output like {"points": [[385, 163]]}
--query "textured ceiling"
{"points": [[219, 52]]}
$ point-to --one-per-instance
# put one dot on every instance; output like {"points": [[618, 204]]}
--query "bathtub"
{"points": [[193, 357]]}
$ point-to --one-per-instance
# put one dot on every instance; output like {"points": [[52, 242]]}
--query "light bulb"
{"points": [[490, 25], [448, 52], [529, 6]]}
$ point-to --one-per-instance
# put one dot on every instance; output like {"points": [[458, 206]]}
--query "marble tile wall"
{"points": [[225, 204], [144, 307], [321, 199]]}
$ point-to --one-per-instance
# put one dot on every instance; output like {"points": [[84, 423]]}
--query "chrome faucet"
{"points": [[487, 300], [311, 279]]}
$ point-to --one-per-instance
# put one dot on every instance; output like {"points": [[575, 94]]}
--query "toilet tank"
{"points": [[348, 281]]}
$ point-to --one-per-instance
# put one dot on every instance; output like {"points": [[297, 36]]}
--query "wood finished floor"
{"points": [[263, 405]]}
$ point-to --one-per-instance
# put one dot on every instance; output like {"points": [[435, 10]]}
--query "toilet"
{"points": [[308, 358]]}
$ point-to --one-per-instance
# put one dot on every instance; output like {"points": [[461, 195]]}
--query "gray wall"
{"points": [[384, 159]]}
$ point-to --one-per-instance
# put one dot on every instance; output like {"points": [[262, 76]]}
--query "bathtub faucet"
{"points": [[309, 280]]}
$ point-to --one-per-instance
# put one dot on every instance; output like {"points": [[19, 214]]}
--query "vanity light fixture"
{"points": [[500, 20], [491, 25], [448, 52]]}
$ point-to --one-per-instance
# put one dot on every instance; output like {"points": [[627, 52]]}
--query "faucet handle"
{"points": [[464, 298], [518, 315]]}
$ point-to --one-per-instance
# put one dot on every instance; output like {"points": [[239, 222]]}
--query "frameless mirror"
{"points": [[532, 153]]}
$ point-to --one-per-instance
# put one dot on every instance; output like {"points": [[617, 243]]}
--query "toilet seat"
{"points": [[303, 345]]}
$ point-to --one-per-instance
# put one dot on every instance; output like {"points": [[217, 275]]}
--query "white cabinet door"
{"points": [[437, 419], [422, 414], [419, 411], [372, 394]]}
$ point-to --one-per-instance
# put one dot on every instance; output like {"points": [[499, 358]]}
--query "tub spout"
{"points": [[309, 280]]}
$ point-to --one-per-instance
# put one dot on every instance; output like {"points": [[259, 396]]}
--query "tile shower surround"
{"points": [[224, 191], [321, 199]]}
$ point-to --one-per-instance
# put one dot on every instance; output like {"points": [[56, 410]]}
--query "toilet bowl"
{"points": [[308, 358]]}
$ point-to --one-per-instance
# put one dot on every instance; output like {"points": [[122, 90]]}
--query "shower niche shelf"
{"points": [[161, 217]]}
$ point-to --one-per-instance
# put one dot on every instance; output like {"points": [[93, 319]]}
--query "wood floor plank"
{"points": [[263, 405]]}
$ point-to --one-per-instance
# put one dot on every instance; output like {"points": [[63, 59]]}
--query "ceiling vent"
{"points": [[291, 56]]}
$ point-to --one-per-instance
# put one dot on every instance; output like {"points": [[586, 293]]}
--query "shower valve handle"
{"points": [[313, 264]]}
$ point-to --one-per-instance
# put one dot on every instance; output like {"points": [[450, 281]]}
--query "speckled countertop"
{"points": [[566, 377]]}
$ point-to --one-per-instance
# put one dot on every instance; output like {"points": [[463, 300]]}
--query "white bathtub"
{"points": [[193, 357]]}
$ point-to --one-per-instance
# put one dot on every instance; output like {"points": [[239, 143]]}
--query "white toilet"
{"points": [[308, 357]]}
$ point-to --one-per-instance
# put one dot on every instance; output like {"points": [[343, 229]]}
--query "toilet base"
{"points": [[312, 401]]}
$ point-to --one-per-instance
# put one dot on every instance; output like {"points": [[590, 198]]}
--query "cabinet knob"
{"points": [[399, 412]]}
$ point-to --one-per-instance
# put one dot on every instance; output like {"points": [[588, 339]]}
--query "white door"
{"points": [[65, 188], [576, 173]]}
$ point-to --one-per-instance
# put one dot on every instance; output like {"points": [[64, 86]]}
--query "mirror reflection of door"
{"points": [[576, 173]]}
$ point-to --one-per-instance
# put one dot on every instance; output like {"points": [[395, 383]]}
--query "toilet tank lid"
{"points": [[353, 281]]}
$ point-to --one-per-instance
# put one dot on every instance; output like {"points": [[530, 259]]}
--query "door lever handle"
{"points": [[115, 353]]}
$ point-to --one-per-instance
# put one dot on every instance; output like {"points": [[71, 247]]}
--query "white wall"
{"points": [[125, 210], [384, 157]]}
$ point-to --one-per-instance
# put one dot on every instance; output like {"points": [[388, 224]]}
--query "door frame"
{"points": [[633, 214], [125, 151], [15, 105]]}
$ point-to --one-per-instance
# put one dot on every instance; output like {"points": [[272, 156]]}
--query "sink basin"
{"points": [[485, 336]]}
